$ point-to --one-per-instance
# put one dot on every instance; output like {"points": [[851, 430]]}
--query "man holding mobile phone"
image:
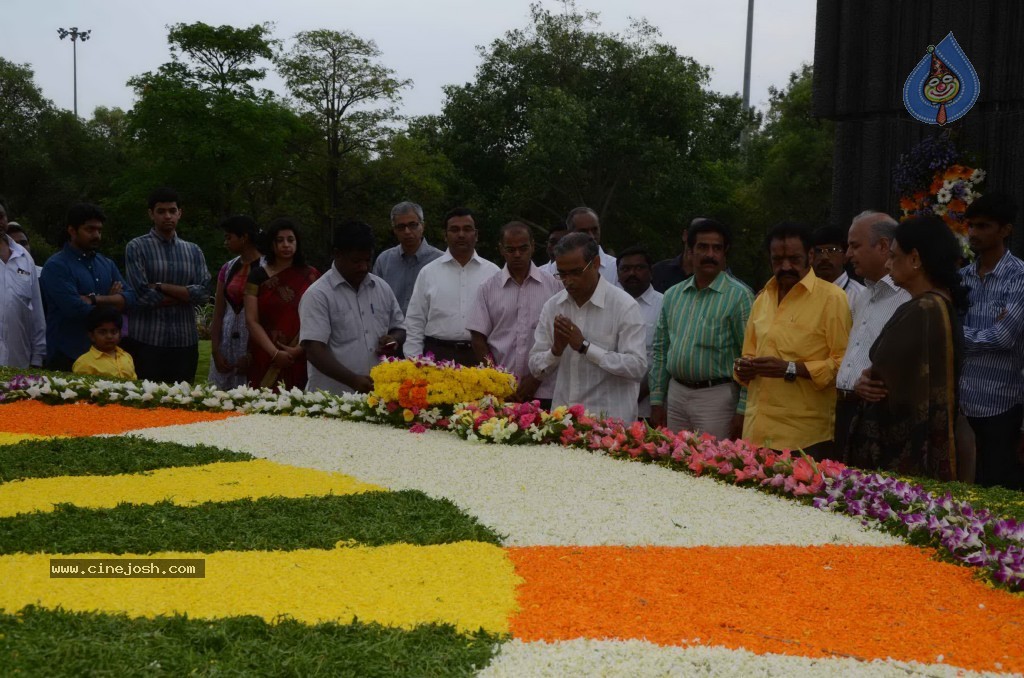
{"points": [[349, 317]]}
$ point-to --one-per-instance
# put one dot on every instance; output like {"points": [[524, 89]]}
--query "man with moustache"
{"points": [[634, 271], [349, 317], [585, 220], [504, 318], [444, 293], [830, 261], [792, 349], [991, 386], [400, 265], [591, 335], [868, 245], [698, 337], [75, 280]]}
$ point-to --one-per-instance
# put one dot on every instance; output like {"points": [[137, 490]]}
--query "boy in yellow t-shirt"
{"points": [[105, 357]]}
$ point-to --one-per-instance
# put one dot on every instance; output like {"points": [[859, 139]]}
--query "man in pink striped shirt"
{"points": [[503, 320]]}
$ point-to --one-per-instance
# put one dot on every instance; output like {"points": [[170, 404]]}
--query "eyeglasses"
{"points": [[562, 275], [522, 249], [821, 251], [410, 226]]}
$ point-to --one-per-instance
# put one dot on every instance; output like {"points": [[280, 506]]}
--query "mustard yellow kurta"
{"points": [[810, 326]]}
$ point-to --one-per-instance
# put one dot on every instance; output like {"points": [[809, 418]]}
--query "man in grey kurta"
{"points": [[349, 317]]}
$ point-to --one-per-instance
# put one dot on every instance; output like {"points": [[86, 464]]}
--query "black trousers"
{"points": [[161, 363], [59, 362], [460, 352], [846, 410], [996, 440]]}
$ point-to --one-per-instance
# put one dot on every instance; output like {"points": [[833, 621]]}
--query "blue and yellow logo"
{"points": [[943, 86]]}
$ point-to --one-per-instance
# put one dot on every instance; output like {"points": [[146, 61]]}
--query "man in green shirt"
{"points": [[698, 337]]}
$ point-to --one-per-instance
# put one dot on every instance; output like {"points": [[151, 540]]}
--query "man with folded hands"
{"points": [[698, 336]]}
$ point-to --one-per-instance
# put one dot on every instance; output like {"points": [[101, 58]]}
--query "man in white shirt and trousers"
{"points": [[445, 291], [592, 335]]}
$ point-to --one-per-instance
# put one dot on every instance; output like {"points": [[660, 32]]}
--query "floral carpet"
{"points": [[605, 567]]}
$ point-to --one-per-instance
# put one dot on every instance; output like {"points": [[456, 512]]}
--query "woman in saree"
{"points": [[229, 336], [910, 392], [272, 298]]}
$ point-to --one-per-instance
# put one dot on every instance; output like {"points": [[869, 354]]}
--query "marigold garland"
{"points": [[418, 383], [185, 486], [863, 602]]}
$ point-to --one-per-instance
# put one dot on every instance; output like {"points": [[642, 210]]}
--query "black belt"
{"points": [[448, 343], [847, 396], [707, 383]]}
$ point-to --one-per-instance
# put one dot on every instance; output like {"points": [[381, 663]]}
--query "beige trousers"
{"points": [[704, 410]]}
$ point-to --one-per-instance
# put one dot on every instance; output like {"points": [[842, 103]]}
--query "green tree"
{"points": [[199, 124], [350, 99], [788, 176], [561, 114], [220, 58]]}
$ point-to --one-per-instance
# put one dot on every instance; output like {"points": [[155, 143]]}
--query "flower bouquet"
{"points": [[935, 178], [411, 386]]}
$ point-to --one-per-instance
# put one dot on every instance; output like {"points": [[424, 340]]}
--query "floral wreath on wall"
{"points": [[936, 178]]}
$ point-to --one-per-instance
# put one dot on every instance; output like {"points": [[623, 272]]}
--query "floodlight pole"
{"points": [[75, 36], [746, 60]]}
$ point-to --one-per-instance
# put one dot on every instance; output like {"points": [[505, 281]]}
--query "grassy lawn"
{"points": [[204, 361]]}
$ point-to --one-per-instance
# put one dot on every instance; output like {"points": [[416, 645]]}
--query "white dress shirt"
{"points": [[650, 308], [606, 379], [872, 310], [22, 323], [852, 288], [609, 268], [444, 292]]}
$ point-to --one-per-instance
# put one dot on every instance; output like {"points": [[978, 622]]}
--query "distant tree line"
{"points": [[559, 114]]}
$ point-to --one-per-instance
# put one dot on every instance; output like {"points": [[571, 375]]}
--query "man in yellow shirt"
{"points": [[792, 349], [105, 358]]}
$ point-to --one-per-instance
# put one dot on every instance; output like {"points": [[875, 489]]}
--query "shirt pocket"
{"points": [[609, 341], [22, 289], [710, 332]]}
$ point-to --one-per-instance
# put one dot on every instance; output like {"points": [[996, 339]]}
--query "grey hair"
{"points": [[576, 211], [882, 226], [577, 241], [406, 206]]}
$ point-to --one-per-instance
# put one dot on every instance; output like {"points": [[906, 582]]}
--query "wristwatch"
{"points": [[582, 350], [158, 287], [790, 372], [92, 298]]}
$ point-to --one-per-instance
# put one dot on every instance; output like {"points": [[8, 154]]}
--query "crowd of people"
{"points": [[878, 345]]}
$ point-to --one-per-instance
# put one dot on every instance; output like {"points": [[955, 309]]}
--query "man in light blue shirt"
{"points": [[400, 265], [991, 385]]}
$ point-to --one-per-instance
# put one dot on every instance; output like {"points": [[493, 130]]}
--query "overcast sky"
{"points": [[433, 42]]}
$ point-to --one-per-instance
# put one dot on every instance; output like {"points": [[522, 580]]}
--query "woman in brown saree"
{"points": [[910, 392], [272, 296]]}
